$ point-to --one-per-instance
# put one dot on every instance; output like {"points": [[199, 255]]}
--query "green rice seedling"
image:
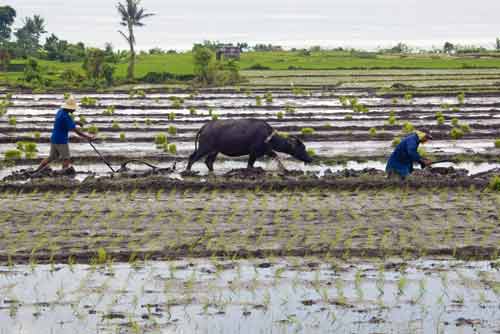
{"points": [[402, 283], [160, 139], [122, 136], [176, 104], [10, 155], [279, 115], [92, 129], [456, 133], [215, 117], [12, 120], [408, 127], [172, 149], [298, 91], [455, 110], [307, 131], [109, 111], [258, 101], [348, 117], [88, 101], [268, 97], [115, 125], [373, 132], [408, 97], [82, 119], [172, 130], [344, 101], [465, 128], [36, 135], [461, 98], [440, 120], [192, 110], [289, 108], [140, 94], [394, 100], [171, 116], [148, 122], [497, 143], [454, 122], [445, 106], [392, 119]]}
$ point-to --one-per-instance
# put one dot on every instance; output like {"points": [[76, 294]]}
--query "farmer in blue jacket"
{"points": [[59, 148], [406, 154]]}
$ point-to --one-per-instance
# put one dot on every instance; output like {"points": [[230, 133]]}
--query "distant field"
{"points": [[182, 63]]}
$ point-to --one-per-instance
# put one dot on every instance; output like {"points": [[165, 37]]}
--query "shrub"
{"points": [[307, 131], [172, 130], [495, 183], [160, 139], [456, 133]]}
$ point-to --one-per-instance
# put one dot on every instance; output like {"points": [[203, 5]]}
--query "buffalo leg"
{"points": [[251, 160], [197, 155], [209, 161]]}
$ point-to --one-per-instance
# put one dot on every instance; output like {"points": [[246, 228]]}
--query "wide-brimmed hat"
{"points": [[70, 104], [427, 132]]}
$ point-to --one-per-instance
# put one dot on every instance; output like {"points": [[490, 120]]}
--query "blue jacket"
{"points": [[62, 125], [402, 159]]}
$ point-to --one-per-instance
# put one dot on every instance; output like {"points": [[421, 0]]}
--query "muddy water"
{"points": [[305, 295]]}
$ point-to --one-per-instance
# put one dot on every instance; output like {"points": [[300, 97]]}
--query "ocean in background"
{"points": [[367, 24]]}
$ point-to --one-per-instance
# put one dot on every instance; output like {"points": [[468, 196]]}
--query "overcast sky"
{"points": [[292, 23]]}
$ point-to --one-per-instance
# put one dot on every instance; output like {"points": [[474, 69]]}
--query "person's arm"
{"points": [[412, 147]]}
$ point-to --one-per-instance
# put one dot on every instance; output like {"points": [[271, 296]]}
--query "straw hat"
{"points": [[70, 103]]}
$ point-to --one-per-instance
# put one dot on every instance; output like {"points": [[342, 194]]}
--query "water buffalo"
{"points": [[235, 138]]}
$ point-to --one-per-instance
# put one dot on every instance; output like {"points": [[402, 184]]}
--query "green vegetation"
{"points": [[373, 132], [456, 133], [87, 101], [307, 131], [14, 154], [12, 120], [408, 127], [497, 143], [160, 139], [93, 129], [172, 149], [495, 183], [396, 141], [122, 136], [110, 110], [28, 148], [280, 115], [172, 130]]}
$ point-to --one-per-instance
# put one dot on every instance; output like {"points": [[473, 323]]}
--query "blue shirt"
{"points": [[403, 157], [62, 125]]}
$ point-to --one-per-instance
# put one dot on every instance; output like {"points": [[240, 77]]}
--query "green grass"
{"points": [[327, 60]]}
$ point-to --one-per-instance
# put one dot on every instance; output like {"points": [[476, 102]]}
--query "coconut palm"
{"points": [[131, 15]]}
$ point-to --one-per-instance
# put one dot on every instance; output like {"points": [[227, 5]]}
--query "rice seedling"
{"points": [[456, 133], [172, 130], [497, 143], [109, 111], [12, 120], [87, 101], [115, 125], [461, 98], [307, 131], [215, 117], [454, 122], [122, 136], [172, 149], [408, 97], [348, 117], [192, 110], [13, 154], [160, 139], [408, 127], [373, 132], [495, 183], [268, 97], [392, 118], [465, 128], [279, 115], [344, 101], [92, 129]]}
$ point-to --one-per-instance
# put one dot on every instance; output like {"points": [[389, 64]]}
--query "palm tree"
{"points": [[131, 15]]}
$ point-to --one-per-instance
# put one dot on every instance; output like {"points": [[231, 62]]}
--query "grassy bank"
{"points": [[182, 63]]}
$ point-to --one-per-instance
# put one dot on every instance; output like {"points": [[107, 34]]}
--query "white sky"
{"points": [[292, 23]]}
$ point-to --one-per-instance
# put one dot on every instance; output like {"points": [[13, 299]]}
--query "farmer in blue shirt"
{"points": [[402, 159], [59, 148]]}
